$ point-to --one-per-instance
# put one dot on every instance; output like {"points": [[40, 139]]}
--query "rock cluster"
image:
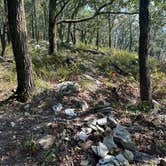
{"points": [[116, 147]]}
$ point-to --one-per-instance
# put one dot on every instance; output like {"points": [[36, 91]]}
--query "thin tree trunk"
{"points": [[17, 25], [52, 28], [145, 89]]}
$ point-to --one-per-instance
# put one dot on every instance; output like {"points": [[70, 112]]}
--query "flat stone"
{"points": [[122, 133], [100, 150], [47, 141], [145, 158], [109, 142], [128, 155], [122, 160]]}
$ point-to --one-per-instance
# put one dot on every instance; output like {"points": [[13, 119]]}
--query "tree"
{"points": [[17, 26], [53, 14], [145, 89]]}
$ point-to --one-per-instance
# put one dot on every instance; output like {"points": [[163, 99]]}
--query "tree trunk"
{"points": [[145, 89], [3, 39], [52, 28], [17, 25], [131, 35], [35, 21], [97, 34]]}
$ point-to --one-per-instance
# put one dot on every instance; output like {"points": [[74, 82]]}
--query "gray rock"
{"points": [[122, 160], [122, 137], [67, 88], [47, 141], [145, 158], [112, 122], [128, 155], [100, 150], [122, 133], [109, 142]]}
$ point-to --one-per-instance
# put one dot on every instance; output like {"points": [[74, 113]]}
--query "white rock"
{"points": [[102, 121], [82, 136], [47, 141], [70, 112], [12, 124], [57, 108], [100, 150], [27, 114]]}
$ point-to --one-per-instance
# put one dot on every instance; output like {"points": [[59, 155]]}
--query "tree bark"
{"points": [[52, 28], [145, 88], [17, 25]]}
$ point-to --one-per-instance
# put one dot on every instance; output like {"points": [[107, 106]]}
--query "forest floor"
{"points": [[23, 125]]}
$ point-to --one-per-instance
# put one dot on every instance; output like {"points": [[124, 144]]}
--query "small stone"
{"points": [[12, 124], [122, 160], [82, 136], [70, 112], [128, 155], [100, 150], [57, 108], [47, 141], [27, 114]]}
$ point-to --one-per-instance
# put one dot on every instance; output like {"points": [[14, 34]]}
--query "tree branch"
{"points": [[88, 18], [93, 16]]}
